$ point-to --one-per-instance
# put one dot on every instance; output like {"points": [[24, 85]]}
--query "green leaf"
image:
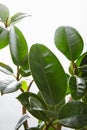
{"points": [[3, 38], [84, 99], [73, 115], [4, 13], [6, 69], [18, 16], [39, 113], [77, 87], [82, 60], [24, 86], [24, 73], [21, 121], [14, 86], [18, 45], [82, 71], [4, 84], [68, 41], [48, 74]]}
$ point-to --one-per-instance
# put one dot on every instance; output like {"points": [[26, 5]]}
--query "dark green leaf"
{"points": [[84, 99], [48, 74], [37, 107], [18, 45], [68, 41], [18, 16], [73, 115], [24, 73], [3, 38], [82, 60], [38, 113], [77, 87], [21, 121], [6, 69], [4, 13], [82, 71]]}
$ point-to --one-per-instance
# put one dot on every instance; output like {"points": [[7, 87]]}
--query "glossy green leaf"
{"points": [[24, 73], [4, 84], [12, 87], [4, 13], [3, 38], [48, 74], [69, 42], [6, 69], [82, 60], [73, 115], [21, 121], [18, 16], [77, 87], [37, 107], [38, 113], [82, 71], [18, 45]]}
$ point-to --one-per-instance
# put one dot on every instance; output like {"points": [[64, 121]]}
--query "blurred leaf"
{"points": [[68, 41], [18, 16], [77, 87], [4, 13], [24, 86], [3, 38], [12, 87], [84, 99], [18, 45], [21, 121], [48, 74], [6, 69], [73, 115]]}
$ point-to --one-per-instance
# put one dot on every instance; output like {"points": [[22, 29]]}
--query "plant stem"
{"points": [[26, 122]]}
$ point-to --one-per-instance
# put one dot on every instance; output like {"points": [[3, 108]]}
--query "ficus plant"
{"points": [[48, 105]]}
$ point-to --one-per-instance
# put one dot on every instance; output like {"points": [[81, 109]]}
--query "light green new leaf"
{"points": [[73, 115], [18, 16], [48, 74], [18, 45], [4, 13], [69, 42], [3, 37], [24, 86], [78, 87], [21, 121], [6, 69]]}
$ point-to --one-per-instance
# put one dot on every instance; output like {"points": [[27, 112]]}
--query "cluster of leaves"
{"points": [[54, 84]]}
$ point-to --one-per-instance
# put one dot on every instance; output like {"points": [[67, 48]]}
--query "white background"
{"points": [[47, 15]]}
